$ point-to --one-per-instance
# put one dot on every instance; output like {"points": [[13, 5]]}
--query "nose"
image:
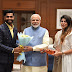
{"points": [[9, 18], [63, 22], [35, 20]]}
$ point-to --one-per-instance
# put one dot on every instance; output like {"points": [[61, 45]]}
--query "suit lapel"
{"points": [[15, 33], [8, 31]]}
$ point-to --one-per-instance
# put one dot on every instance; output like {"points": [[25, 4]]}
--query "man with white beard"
{"points": [[35, 61]]}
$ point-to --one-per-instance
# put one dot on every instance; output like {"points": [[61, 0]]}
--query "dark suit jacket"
{"points": [[7, 43]]}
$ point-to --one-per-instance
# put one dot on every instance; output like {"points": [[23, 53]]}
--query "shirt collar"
{"points": [[10, 27]]}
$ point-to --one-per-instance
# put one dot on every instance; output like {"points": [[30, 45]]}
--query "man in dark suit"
{"points": [[8, 36]]}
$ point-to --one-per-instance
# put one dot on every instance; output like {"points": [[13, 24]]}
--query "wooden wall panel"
{"points": [[47, 16], [46, 8], [60, 1], [19, 5], [42, 10], [1, 18], [52, 6], [19, 22], [43, 14], [37, 6]]}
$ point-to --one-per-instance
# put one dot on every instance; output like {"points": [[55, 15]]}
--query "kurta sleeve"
{"points": [[55, 41], [45, 43], [70, 41], [57, 38]]}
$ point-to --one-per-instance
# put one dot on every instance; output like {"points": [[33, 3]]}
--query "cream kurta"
{"points": [[57, 67], [66, 45], [37, 48], [67, 59]]}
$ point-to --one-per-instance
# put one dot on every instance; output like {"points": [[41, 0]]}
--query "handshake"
{"points": [[21, 48]]}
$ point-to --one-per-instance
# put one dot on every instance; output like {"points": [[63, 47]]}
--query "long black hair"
{"points": [[67, 30]]}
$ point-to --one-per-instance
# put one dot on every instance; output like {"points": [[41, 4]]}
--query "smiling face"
{"points": [[9, 18], [35, 21], [64, 24]]}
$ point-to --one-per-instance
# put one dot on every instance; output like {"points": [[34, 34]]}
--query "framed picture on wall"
{"points": [[61, 12]]}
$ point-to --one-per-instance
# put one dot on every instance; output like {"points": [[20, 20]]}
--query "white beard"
{"points": [[35, 26]]}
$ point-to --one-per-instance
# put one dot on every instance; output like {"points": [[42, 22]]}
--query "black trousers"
{"points": [[6, 67]]}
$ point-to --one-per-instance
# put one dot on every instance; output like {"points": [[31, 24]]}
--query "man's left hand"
{"points": [[28, 48]]}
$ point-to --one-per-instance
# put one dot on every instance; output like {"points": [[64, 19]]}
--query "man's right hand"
{"points": [[18, 49]]}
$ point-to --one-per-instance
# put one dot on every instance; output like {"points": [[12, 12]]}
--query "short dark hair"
{"points": [[8, 11]]}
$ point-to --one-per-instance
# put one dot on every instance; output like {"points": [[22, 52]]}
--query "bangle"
{"points": [[63, 53]]}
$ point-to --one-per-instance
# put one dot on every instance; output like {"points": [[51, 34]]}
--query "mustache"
{"points": [[35, 26], [7, 21], [35, 23]]}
